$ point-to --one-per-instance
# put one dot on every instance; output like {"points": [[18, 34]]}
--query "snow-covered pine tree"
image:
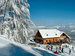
{"points": [[15, 23]]}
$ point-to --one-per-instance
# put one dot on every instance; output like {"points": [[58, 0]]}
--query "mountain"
{"points": [[15, 23], [69, 29]]}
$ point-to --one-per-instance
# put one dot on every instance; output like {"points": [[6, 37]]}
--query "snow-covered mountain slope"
{"points": [[8, 48], [15, 23], [15, 49]]}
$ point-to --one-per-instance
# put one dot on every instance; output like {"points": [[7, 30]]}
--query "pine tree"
{"points": [[15, 23]]}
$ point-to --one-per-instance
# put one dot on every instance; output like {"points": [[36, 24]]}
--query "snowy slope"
{"points": [[15, 23], [13, 49], [8, 48]]}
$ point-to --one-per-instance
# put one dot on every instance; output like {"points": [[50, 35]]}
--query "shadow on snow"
{"points": [[13, 50]]}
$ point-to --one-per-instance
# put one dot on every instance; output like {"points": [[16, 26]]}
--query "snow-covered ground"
{"points": [[8, 48], [65, 51]]}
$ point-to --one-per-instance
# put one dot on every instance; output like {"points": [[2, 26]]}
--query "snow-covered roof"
{"points": [[50, 33]]}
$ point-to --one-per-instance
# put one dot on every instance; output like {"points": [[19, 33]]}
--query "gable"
{"points": [[63, 34], [38, 34]]}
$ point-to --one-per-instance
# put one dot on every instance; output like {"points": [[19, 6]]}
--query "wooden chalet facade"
{"points": [[50, 36]]}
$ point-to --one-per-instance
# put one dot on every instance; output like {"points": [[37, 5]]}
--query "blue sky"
{"points": [[52, 12]]}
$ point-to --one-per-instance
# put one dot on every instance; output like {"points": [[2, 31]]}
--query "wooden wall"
{"points": [[38, 34], [50, 40]]}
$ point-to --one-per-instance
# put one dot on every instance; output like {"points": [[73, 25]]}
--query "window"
{"points": [[46, 34], [55, 40], [55, 34], [49, 40], [44, 40]]}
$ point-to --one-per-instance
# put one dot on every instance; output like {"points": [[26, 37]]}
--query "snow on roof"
{"points": [[50, 33]]}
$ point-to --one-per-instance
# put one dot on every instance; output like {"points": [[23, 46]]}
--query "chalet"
{"points": [[50, 36]]}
